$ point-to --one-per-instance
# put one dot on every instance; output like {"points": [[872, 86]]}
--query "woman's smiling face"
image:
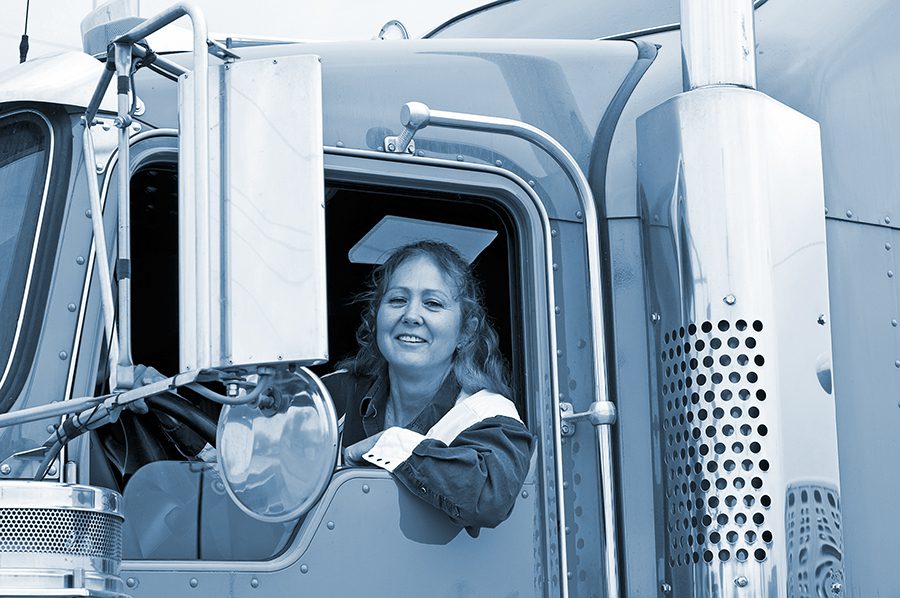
{"points": [[418, 321]]}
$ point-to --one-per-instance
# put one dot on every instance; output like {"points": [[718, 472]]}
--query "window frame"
{"points": [[534, 338], [45, 240]]}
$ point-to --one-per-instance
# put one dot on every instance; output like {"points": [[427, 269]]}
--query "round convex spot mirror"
{"points": [[276, 457]]}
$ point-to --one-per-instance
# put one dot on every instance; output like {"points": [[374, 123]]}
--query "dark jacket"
{"points": [[470, 464]]}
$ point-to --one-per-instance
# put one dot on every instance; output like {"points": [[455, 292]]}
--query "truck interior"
{"points": [[151, 458]]}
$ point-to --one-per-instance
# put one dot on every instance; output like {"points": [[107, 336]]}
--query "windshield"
{"points": [[24, 155]]}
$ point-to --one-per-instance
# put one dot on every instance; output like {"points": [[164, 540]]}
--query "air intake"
{"points": [[60, 538]]}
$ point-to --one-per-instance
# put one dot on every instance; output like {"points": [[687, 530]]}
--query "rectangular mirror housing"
{"points": [[252, 255]]}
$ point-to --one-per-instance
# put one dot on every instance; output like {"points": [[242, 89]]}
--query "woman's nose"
{"points": [[412, 315]]}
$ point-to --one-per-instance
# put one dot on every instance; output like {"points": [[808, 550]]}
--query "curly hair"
{"points": [[477, 361]]}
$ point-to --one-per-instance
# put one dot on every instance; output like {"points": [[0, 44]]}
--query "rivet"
{"points": [[565, 484], [559, 352], [836, 587], [897, 364], [227, 67], [274, 61], [741, 581], [894, 323], [556, 266], [63, 355], [304, 568], [498, 163], [459, 158], [849, 213], [87, 213], [569, 574], [553, 232], [131, 582], [565, 429], [330, 525], [821, 319], [655, 317], [219, 485], [391, 147], [568, 531], [558, 310], [194, 582], [729, 299], [890, 273], [531, 183], [826, 210], [665, 588], [340, 144], [887, 246], [365, 488], [579, 214], [51, 428], [71, 307], [887, 219], [254, 582], [52, 470], [79, 260], [5, 469], [524, 493]]}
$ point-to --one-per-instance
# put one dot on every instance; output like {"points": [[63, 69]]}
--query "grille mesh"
{"points": [[60, 531], [713, 404]]}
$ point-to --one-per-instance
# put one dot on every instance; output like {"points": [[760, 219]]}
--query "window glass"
{"points": [[24, 152]]}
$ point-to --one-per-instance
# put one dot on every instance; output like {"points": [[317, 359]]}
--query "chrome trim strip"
{"points": [[34, 246]]}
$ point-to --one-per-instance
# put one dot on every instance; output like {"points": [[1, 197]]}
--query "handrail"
{"points": [[415, 115], [124, 51]]}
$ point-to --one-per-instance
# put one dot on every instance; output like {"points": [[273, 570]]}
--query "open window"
{"points": [[178, 508]]}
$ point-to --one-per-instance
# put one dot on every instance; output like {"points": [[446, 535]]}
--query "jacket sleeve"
{"points": [[473, 475]]}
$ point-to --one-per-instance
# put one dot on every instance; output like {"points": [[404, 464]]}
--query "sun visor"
{"points": [[393, 232]]}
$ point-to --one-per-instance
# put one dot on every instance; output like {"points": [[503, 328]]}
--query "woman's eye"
{"points": [[396, 301], [434, 303]]}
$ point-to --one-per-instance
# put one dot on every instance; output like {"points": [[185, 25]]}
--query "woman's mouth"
{"points": [[409, 338]]}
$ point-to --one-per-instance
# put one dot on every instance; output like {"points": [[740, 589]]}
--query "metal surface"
{"points": [[595, 285], [59, 539], [69, 78], [264, 266], [718, 43], [378, 526], [865, 320], [277, 457], [739, 278]]}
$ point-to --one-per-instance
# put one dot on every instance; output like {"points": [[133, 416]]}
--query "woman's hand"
{"points": [[353, 454]]}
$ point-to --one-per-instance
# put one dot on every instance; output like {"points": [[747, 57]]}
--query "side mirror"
{"points": [[277, 456], [252, 254]]}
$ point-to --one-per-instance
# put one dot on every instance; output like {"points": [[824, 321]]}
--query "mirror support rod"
{"points": [[101, 254], [124, 48], [414, 116], [125, 370]]}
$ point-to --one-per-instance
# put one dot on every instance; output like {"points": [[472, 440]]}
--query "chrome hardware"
{"points": [[60, 540], [413, 116], [600, 413]]}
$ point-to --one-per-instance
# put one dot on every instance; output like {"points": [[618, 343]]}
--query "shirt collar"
{"points": [[372, 405]]}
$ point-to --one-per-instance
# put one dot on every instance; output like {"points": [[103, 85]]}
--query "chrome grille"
{"points": [[60, 531], [714, 442]]}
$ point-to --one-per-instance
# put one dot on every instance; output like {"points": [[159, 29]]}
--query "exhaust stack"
{"points": [[718, 43]]}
